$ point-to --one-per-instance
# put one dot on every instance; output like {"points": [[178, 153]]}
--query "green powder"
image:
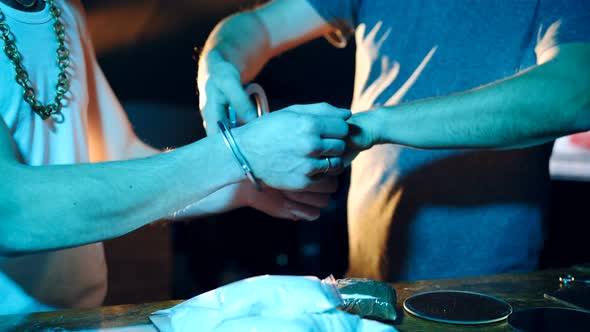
{"points": [[368, 298]]}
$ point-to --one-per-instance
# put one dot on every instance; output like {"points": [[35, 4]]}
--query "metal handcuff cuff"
{"points": [[262, 107], [255, 91]]}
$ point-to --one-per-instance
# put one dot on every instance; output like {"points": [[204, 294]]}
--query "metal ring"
{"points": [[327, 169], [255, 91]]}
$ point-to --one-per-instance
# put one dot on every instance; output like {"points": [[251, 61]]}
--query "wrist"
{"points": [[378, 126], [239, 157], [369, 125], [223, 166]]}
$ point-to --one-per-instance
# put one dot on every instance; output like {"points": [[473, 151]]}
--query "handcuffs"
{"points": [[255, 91]]}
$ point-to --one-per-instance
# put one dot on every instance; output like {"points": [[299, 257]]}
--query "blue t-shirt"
{"points": [[416, 214]]}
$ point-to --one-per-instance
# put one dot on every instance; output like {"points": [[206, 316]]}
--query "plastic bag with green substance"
{"points": [[368, 298]]}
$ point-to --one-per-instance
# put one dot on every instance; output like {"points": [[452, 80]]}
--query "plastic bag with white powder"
{"points": [[265, 303]]}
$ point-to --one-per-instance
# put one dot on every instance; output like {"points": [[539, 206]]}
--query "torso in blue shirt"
{"points": [[416, 214]]}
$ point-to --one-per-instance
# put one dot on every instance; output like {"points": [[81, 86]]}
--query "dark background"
{"points": [[145, 48]]}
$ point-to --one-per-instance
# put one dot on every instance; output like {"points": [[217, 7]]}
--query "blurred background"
{"points": [[146, 49]]}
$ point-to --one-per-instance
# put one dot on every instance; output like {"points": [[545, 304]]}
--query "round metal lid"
{"points": [[458, 307]]}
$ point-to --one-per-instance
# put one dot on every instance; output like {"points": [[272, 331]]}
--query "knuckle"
{"points": [[310, 125], [309, 167], [310, 146], [315, 145], [288, 117], [339, 146], [304, 122]]}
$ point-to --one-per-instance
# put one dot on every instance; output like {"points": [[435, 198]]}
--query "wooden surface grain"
{"points": [[520, 290]]}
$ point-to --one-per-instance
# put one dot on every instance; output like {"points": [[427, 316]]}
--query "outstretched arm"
{"points": [[50, 207], [535, 106]]}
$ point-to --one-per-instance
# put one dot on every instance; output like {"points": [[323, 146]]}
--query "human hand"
{"points": [[278, 204], [285, 204], [360, 136], [289, 149], [220, 85]]}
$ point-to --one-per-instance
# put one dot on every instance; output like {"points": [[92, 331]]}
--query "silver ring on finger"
{"points": [[329, 166]]}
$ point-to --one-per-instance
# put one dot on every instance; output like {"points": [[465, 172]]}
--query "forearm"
{"points": [[242, 40], [250, 39], [51, 207], [530, 108]]}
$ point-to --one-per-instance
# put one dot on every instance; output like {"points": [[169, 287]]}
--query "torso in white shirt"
{"points": [[90, 116]]}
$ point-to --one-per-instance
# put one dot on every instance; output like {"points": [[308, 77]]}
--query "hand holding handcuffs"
{"points": [[255, 91]]}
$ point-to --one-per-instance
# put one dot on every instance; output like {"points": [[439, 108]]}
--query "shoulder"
{"points": [[76, 9]]}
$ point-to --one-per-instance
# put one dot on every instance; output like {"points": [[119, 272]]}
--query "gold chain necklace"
{"points": [[22, 77]]}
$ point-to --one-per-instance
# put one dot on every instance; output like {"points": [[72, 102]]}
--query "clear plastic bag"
{"points": [[332, 321], [368, 298], [278, 296]]}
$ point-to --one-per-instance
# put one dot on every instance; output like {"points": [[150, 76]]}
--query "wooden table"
{"points": [[520, 290]]}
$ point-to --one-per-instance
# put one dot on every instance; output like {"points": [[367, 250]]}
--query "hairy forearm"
{"points": [[49, 207], [530, 108]]}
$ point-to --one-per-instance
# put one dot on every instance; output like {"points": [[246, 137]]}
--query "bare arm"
{"points": [[236, 50], [49, 207], [538, 105], [241, 45], [79, 204]]}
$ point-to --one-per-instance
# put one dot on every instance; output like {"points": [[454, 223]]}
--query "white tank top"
{"points": [[84, 135]]}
